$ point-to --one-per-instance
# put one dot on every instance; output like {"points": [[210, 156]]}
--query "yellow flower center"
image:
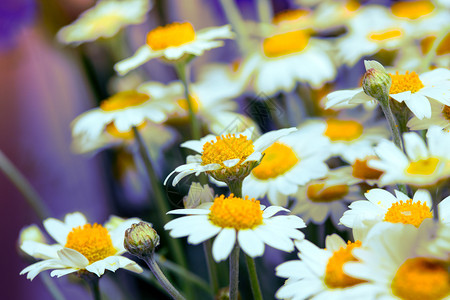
{"points": [[352, 5], [226, 147], [171, 35], [442, 49], [363, 171], [93, 241], [403, 83], [194, 101], [334, 275], [421, 278], [286, 43], [123, 100], [317, 193], [408, 213], [289, 15], [412, 9], [384, 35], [124, 135], [423, 166], [343, 130], [237, 213], [278, 159], [446, 112]]}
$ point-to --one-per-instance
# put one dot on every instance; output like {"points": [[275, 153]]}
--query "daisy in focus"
{"points": [[80, 246], [105, 19], [423, 164], [227, 157], [236, 220], [293, 160], [174, 42], [319, 274]]}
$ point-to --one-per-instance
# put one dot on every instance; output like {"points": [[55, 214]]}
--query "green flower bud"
{"points": [[376, 81], [141, 239]]}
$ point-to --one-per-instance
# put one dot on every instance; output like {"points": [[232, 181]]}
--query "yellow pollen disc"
{"points": [[124, 135], [289, 15], [403, 83], [238, 213], [446, 112], [423, 166], [123, 100], [226, 147], [343, 130], [352, 5], [334, 275], [286, 43], [379, 36], [93, 241], [412, 9], [408, 213], [172, 35], [317, 193], [278, 159], [442, 49], [421, 278], [184, 104], [363, 171]]}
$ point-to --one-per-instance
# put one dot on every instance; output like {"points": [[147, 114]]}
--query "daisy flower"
{"points": [[360, 170], [327, 197], [226, 157], [80, 246], [319, 274], [440, 116], [236, 220], [174, 42], [423, 164], [293, 160], [396, 265], [105, 19]]}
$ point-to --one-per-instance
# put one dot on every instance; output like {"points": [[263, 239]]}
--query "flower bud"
{"points": [[141, 239], [376, 81]]}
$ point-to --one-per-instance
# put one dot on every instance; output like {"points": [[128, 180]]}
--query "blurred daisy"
{"points": [[293, 160], [105, 19], [329, 14], [440, 116], [226, 157], [421, 166], [236, 220], [360, 170], [173, 42], [319, 274], [80, 246], [327, 197], [394, 267]]}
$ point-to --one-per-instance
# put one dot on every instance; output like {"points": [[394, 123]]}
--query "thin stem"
{"points": [[235, 18], [265, 11], [234, 272], [150, 260], [24, 187], [183, 73], [424, 66], [235, 187], [51, 287], [93, 284], [435, 192], [212, 268], [254, 282]]}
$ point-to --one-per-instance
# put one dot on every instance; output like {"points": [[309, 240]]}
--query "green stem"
{"points": [[183, 73], [426, 62], [24, 187], [256, 289], [150, 260], [51, 287], [235, 187], [234, 272], [212, 268], [94, 286], [235, 18], [265, 11]]}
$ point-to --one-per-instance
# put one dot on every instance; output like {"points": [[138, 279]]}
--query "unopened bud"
{"points": [[376, 81], [141, 239]]}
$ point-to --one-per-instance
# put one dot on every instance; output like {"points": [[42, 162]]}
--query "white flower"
{"points": [[440, 116], [293, 160], [226, 157], [423, 165], [358, 159], [105, 19], [173, 42], [80, 246], [236, 220]]}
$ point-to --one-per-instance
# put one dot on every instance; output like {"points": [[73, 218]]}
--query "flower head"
{"points": [[376, 81], [141, 239]]}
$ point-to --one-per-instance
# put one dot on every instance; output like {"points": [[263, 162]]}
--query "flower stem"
{"points": [[24, 187], [256, 289], [51, 287], [235, 18], [183, 73], [93, 284], [212, 268], [235, 187], [234, 272], [150, 260], [426, 62], [265, 11]]}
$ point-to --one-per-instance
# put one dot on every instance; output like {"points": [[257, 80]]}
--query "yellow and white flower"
{"points": [[293, 160], [423, 164], [236, 220], [226, 157], [360, 170], [105, 19], [440, 116], [80, 246], [319, 274], [174, 42]]}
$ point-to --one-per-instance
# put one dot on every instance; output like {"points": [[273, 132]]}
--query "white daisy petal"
{"points": [[250, 243], [223, 244], [72, 258]]}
